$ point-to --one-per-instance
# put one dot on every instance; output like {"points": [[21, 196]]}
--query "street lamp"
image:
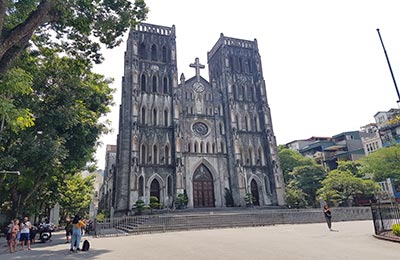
{"points": [[12, 172]]}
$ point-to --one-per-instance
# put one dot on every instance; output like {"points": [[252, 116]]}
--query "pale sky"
{"points": [[323, 63]]}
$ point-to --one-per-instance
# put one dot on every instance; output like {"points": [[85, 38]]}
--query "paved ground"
{"points": [[352, 241]]}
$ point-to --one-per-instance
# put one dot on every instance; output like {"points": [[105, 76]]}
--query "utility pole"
{"points": [[390, 67]]}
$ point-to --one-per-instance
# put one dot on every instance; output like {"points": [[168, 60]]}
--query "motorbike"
{"points": [[45, 232]]}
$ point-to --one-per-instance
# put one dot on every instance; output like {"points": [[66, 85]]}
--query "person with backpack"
{"points": [[77, 225]]}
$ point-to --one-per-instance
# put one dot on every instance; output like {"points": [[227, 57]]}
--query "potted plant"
{"points": [[248, 198], [181, 201]]}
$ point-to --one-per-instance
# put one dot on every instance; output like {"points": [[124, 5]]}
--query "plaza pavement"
{"points": [[352, 241]]}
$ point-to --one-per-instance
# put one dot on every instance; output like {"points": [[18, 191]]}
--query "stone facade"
{"points": [[207, 139]]}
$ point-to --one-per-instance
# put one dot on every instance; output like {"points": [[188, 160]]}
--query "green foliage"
{"points": [[78, 25], [308, 180], [350, 166], [340, 186], [139, 206], [383, 163], [396, 229], [75, 194], [67, 100], [249, 199], [154, 203], [228, 198], [13, 115], [295, 197], [181, 200], [290, 159]]}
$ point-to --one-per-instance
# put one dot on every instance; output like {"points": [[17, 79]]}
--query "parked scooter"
{"points": [[45, 230]]}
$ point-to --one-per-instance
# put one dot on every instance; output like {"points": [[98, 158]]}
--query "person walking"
{"points": [[328, 216], [77, 226]]}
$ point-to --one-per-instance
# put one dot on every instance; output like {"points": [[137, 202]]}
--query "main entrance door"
{"points": [[203, 188]]}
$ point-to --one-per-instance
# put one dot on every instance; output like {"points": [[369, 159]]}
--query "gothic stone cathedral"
{"points": [[203, 138]]}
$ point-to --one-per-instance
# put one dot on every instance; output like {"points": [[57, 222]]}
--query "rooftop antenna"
{"points": [[390, 67]]}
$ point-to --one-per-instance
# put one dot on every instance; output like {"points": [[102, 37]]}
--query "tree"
{"points": [[308, 180], [290, 159], [382, 164], [68, 25], [295, 197], [67, 100], [340, 186], [75, 194]]}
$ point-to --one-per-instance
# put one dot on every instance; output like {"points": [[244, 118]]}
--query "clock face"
{"points": [[198, 87]]}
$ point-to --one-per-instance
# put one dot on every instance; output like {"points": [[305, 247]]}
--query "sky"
{"points": [[324, 67]]}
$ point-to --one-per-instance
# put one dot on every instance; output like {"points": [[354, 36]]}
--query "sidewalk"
{"points": [[353, 241]]}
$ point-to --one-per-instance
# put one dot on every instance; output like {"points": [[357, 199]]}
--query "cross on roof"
{"points": [[198, 66]]}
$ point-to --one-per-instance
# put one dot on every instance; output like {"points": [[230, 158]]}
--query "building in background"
{"points": [[388, 124], [106, 189]]}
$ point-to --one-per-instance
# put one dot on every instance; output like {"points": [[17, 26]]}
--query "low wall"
{"points": [[228, 218]]}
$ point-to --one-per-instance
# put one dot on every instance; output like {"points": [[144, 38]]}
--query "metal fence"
{"points": [[132, 225], [384, 216]]}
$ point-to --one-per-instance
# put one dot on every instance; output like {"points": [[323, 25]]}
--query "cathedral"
{"points": [[211, 140]]}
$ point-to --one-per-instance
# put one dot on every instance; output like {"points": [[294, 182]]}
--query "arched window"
{"points": [[191, 110], [142, 51], [153, 52], [189, 147], [143, 115], [143, 154], [154, 116], [201, 147], [213, 148], [257, 123], [143, 82], [221, 132], [246, 123], [250, 156], [260, 157], [254, 94], [241, 93], [237, 122], [155, 154], [250, 93], [234, 90], [165, 85], [169, 186], [165, 117], [249, 66], [164, 54], [222, 147], [240, 65], [141, 186], [166, 154], [196, 147], [231, 63], [208, 148], [154, 83]]}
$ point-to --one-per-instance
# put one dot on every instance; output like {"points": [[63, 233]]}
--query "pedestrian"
{"points": [[77, 225], [9, 235], [25, 230], [32, 234], [328, 216], [13, 236], [68, 230]]}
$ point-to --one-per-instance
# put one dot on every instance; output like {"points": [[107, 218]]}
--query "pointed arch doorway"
{"points": [[254, 193], [155, 189], [203, 188]]}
